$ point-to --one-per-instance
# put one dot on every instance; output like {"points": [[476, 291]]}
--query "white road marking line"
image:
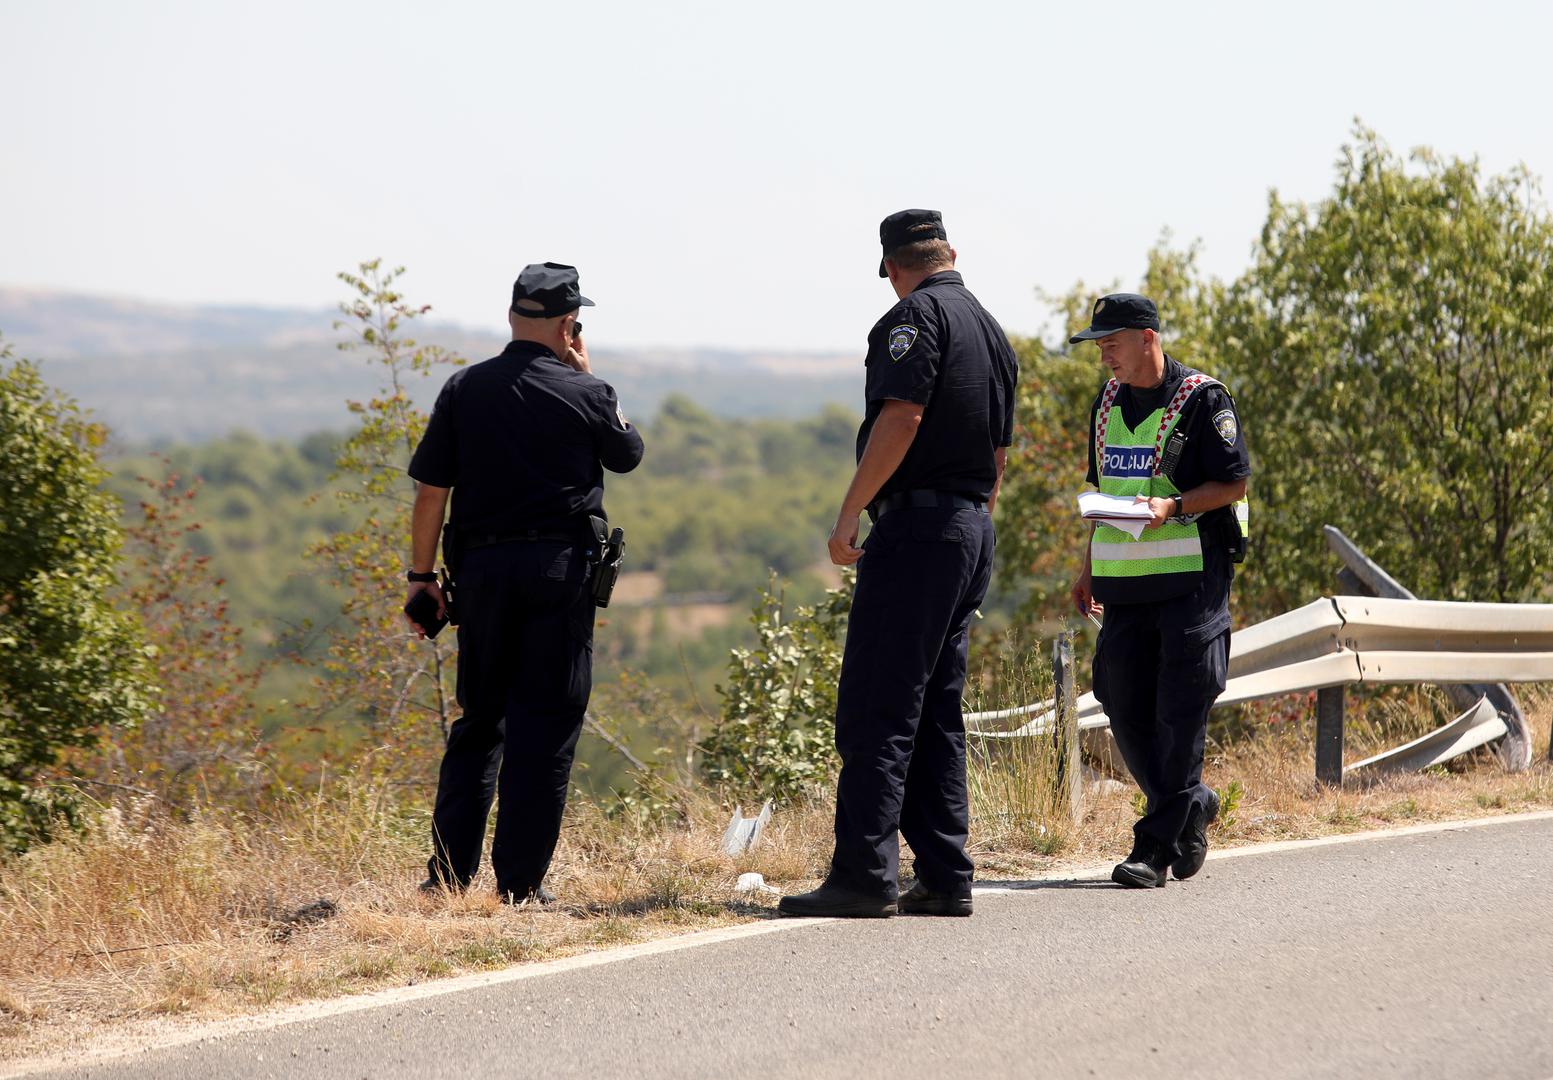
{"points": [[322, 1010], [1272, 847]]}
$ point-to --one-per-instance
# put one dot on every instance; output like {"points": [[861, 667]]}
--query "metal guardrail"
{"points": [[1478, 726], [1345, 640]]}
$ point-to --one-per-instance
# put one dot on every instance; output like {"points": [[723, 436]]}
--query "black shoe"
{"points": [[1145, 868], [437, 885], [836, 902], [1194, 841], [539, 896], [920, 900]]}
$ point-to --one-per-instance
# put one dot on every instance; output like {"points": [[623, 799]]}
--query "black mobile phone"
{"points": [[422, 610]]}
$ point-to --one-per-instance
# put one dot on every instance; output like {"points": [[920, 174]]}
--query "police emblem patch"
{"points": [[1099, 305], [1224, 422], [901, 339], [621, 416]]}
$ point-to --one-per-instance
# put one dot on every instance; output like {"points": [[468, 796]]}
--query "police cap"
{"points": [[1119, 311], [545, 290], [896, 231]]}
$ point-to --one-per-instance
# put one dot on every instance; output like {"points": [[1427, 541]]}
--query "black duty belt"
{"points": [[509, 536], [922, 498]]}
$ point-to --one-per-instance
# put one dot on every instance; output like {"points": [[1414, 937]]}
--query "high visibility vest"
{"points": [[1128, 462]]}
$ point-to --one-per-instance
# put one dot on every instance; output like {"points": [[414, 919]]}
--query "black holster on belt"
{"points": [[606, 554]]}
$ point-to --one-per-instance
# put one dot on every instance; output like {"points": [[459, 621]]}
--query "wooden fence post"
{"points": [[1329, 735]]}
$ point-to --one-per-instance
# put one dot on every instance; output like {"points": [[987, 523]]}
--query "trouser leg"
{"points": [[935, 811], [1192, 677], [1125, 680], [466, 784], [545, 707], [908, 593]]}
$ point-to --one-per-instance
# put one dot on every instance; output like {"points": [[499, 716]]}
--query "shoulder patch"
{"points": [[1226, 425], [901, 339]]}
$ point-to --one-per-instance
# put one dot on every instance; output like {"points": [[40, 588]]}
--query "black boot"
{"points": [[1194, 841], [831, 901], [920, 900], [1146, 868]]}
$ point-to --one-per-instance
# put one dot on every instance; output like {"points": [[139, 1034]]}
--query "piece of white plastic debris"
{"points": [[749, 883], [743, 832]]}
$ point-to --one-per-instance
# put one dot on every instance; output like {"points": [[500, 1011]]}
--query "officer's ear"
{"points": [[953, 255]]}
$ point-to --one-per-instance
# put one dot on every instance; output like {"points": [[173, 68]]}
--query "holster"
{"points": [[605, 555]]}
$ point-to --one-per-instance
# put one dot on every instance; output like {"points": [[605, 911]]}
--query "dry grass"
{"points": [[145, 917]]}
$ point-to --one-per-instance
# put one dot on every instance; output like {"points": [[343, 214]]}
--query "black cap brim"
{"points": [[585, 302], [1095, 333], [882, 271]]}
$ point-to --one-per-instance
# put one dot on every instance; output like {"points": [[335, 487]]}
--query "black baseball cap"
{"points": [[1119, 311], [896, 230], [545, 290]]}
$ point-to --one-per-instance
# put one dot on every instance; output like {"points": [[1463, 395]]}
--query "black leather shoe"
{"points": [[1194, 841], [535, 897], [1145, 868], [437, 885], [836, 902], [920, 900]]}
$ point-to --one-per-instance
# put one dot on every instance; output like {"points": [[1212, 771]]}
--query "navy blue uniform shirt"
{"points": [[523, 440], [938, 347], [1208, 456]]}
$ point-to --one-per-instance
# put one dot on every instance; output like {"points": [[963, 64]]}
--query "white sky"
{"points": [[716, 170]]}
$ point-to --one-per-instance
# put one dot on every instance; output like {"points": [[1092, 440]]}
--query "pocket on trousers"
{"points": [[939, 526], [558, 566]]}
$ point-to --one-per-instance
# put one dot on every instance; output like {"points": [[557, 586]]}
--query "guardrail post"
{"points": [[1329, 735], [1070, 773]]}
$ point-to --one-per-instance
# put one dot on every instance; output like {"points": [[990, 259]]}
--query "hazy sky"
{"points": [[717, 170]]}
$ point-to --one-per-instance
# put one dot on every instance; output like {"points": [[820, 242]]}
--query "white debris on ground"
{"points": [[754, 883]]}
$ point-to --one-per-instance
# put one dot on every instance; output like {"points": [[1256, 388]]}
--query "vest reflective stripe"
{"points": [[1138, 550]]}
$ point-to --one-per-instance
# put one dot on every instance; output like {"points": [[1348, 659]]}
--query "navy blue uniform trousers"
{"points": [[899, 728], [1158, 669], [525, 669]]}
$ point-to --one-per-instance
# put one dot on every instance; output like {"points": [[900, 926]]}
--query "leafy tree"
{"points": [[200, 745], [1394, 344], [72, 664], [375, 667], [777, 732]]}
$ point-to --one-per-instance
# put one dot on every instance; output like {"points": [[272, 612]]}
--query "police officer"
{"points": [[522, 441], [1167, 435], [940, 395]]}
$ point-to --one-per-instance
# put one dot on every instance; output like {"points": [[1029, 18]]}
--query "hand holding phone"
{"points": [[425, 611]]}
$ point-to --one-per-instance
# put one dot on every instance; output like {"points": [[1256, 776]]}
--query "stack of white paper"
{"points": [[1119, 511]]}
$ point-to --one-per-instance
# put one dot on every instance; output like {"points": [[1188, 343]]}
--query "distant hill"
{"points": [[163, 373]]}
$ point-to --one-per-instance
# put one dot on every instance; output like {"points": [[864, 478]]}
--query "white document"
{"points": [[1119, 511]]}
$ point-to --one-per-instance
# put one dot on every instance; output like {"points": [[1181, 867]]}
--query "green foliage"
{"points": [[258, 512], [717, 502], [375, 669], [1393, 344], [72, 664], [1230, 798], [200, 745], [776, 734]]}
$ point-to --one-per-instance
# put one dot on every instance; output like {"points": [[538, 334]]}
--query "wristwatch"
{"points": [[1180, 509], [430, 575]]}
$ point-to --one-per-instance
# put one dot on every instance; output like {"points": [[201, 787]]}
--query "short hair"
{"points": [[922, 254]]}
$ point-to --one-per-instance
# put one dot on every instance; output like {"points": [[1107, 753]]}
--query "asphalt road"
{"points": [[1419, 956]]}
